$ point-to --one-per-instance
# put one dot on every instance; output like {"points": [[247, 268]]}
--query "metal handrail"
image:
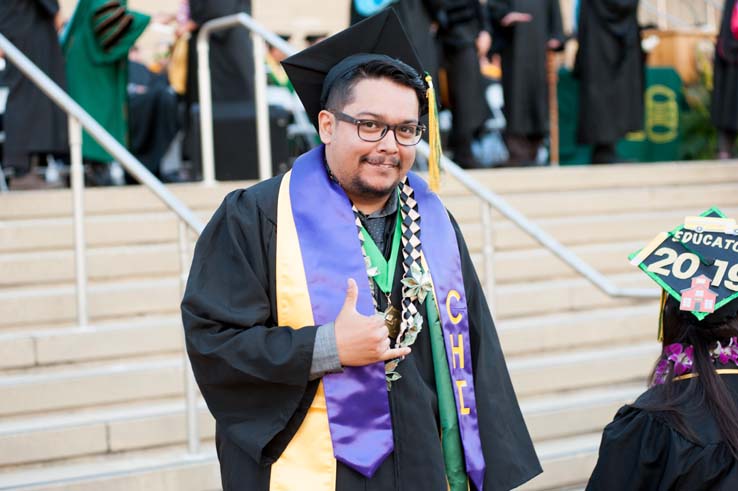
{"points": [[541, 236], [78, 119], [110, 144], [259, 34]]}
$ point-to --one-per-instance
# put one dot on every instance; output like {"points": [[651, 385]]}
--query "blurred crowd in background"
{"points": [[508, 94]]}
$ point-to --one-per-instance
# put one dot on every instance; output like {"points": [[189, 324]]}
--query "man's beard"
{"points": [[362, 188]]}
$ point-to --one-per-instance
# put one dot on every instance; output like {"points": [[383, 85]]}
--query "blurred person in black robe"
{"points": [[524, 30], [255, 295], [231, 54], [464, 34], [231, 61], [34, 125], [611, 73], [420, 20], [724, 106], [153, 116], [450, 35]]}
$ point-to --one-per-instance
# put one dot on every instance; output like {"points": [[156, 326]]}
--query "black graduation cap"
{"points": [[381, 34], [696, 263]]}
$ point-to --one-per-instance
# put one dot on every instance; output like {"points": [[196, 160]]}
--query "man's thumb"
{"points": [[352, 293]]}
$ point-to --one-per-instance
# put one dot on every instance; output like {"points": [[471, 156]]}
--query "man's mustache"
{"points": [[394, 161]]}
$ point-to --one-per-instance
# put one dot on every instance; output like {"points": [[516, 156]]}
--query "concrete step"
{"points": [[567, 463], [121, 262], [605, 201], [108, 300], [151, 470], [603, 367], [129, 337], [620, 325], [611, 228], [112, 200], [576, 178], [33, 305], [129, 227], [133, 426], [137, 199], [98, 431], [536, 264], [52, 234], [44, 389], [542, 297], [162, 259], [576, 412], [92, 384]]}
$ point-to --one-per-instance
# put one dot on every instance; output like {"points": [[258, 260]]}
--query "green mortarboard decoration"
{"points": [[697, 264]]}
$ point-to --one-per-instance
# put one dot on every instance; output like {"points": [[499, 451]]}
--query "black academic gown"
{"points": [[724, 107], [641, 450], [610, 69], [523, 50], [462, 21], [254, 375], [33, 124], [152, 114], [231, 54]]}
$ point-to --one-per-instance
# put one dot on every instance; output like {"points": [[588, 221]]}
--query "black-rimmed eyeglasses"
{"points": [[369, 130]]}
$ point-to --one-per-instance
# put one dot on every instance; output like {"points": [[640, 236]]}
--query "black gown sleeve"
{"points": [[497, 9], [252, 373], [555, 24], [50, 7], [508, 450]]}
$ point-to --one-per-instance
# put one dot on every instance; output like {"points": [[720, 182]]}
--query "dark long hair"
{"points": [[708, 389]]}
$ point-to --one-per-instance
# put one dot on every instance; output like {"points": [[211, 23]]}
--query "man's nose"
{"points": [[388, 143]]}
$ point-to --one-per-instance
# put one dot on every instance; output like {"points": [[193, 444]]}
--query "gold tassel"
{"points": [[434, 138], [664, 296]]}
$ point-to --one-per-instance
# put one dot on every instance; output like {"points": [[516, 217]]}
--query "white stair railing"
{"points": [[78, 119]]}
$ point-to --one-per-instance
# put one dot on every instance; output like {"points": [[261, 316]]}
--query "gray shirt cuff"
{"points": [[325, 353]]}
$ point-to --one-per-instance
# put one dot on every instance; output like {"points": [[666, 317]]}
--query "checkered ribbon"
{"points": [[410, 228], [410, 251]]}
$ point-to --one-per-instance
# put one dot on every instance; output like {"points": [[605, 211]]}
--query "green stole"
{"points": [[453, 452]]}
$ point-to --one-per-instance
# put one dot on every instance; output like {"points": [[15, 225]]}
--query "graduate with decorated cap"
{"points": [[333, 317], [682, 433]]}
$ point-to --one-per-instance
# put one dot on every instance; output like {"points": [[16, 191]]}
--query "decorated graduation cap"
{"points": [[314, 70], [696, 264]]}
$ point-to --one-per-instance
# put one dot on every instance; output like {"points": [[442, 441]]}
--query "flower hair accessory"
{"points": [[678, 359]]}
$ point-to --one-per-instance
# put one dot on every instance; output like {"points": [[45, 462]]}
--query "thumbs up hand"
{"points": [[362, 340]]}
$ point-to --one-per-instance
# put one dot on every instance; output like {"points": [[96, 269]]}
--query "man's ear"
{"points": [[326, 126]]}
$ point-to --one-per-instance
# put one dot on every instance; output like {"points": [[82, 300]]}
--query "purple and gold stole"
{"points": [[318, 249]]}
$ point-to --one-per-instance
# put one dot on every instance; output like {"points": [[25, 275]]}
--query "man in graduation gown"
{"points": [[724, 106], [310, 387], [524, 31], [33, 124], [96, 43], [611, 73]]}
